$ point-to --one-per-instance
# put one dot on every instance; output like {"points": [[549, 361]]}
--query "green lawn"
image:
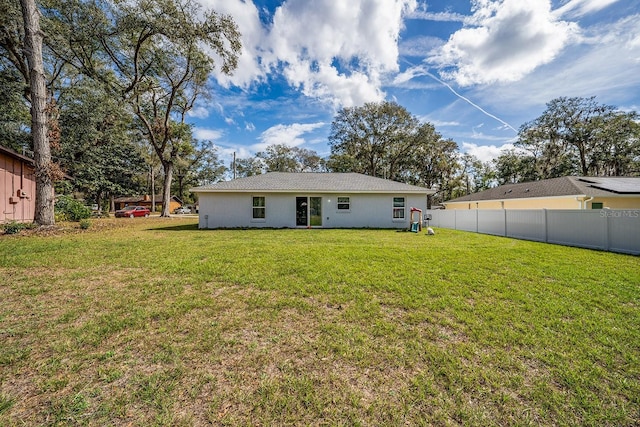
{"points": [[153, 322]]}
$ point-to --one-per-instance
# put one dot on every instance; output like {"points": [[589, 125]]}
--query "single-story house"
{"points": [[123, 202], [568, 192], [17, 187], [322, 200]]}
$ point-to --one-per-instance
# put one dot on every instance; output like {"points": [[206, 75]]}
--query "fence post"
{"points": [[607, 225], [546, 226], [504, 213]]}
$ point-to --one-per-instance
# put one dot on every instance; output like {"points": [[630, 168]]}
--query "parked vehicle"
{"points": [[182, 210], [133, 211]]}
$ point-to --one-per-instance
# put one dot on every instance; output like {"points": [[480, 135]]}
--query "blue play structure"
{"points": [[416, 225]]}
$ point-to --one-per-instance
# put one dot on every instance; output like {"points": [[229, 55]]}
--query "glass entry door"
{"points": [[315, 210], [309, 211], [302, 211]]}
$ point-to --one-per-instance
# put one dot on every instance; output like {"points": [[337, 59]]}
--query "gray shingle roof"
{"points": [[312, 182], [564, 186]]}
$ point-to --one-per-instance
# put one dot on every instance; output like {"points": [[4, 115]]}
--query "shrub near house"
{"points": [[69, 209]]}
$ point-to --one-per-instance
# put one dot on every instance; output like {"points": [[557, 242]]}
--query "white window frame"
{"points": [[348, 203], [254, 208], [399, 209]]}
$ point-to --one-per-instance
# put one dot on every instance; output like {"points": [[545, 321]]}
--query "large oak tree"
{"points": [[46, 171], [579, 136], [385, 140], [154, 55]]}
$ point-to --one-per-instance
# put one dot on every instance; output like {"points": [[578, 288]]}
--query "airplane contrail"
{"points": [[470, 102]]}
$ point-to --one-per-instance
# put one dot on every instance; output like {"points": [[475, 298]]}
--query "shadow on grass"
{"points": [[183, 227]]}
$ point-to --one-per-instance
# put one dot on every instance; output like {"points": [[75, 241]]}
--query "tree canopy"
{"points": [[574, 136], [374, 139], [280, 158], [150, 54], [153, 57], [385, 140], [99, 146], [122, 77]]}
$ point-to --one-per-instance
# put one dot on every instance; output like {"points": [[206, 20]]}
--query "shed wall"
{"points": [[16, 175]]}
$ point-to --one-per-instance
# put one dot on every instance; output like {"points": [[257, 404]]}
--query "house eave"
{"points": [[578, 197], [300, 191], [466, 202]]}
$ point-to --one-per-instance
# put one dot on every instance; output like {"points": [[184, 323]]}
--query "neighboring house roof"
{"points": [[9, 152], [310, 182], [556, 187]]}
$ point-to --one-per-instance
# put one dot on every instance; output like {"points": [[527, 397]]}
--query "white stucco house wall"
{"points": [[318, 200]]}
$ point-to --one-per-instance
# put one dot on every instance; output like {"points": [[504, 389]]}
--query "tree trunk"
{"points": [[166, 187], [180, 185], [44, 214], [153, 190]]}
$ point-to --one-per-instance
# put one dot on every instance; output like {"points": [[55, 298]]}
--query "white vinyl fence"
{"points": [[614, 230]]}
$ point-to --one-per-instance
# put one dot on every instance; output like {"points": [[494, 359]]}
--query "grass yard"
{"points": [[153, 322]]}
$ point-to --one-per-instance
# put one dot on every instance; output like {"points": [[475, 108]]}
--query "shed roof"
{"points": [[9, 152], [286, 182], [555, 187]]}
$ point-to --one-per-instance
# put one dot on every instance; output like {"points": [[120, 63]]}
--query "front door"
{"points": [[309, 211]]}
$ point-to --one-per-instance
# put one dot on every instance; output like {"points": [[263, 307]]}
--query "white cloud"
{"points": [[604, 65], [485, 153], [577, 8], [333, 51], [247, 17], [227, 152], [207, 134], [290, 135], [199, 112], [422, 13], [508, 40], [329, 84], [409, 74], [419, 46], [338, 51], [439, 123]]}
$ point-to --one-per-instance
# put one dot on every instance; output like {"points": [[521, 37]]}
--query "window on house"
{"points": [[398, 208], [597, 205], [344, 204], [259, 207]]}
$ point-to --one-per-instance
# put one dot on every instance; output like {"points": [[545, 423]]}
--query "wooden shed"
{"points": [[17, 187]]}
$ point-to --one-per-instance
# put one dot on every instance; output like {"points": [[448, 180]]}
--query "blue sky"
{"points": [[475, 69]]}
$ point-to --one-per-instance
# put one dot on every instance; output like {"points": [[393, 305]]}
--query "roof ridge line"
{"points": [[572, 180]]}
